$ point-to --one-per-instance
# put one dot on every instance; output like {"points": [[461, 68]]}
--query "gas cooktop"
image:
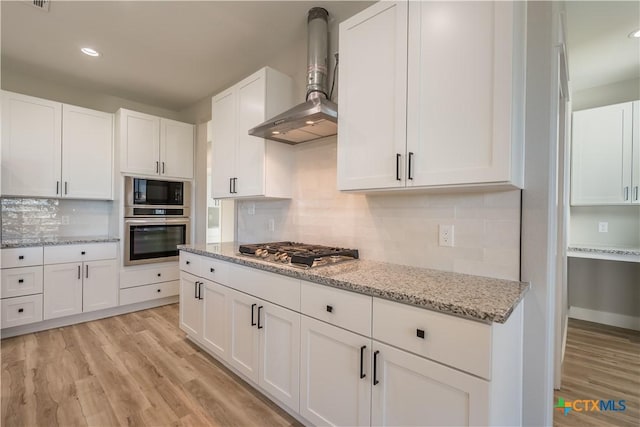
{"points": [[299, 254]]}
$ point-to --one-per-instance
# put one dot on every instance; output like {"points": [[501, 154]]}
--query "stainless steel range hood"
{"points": [[318, 116]]}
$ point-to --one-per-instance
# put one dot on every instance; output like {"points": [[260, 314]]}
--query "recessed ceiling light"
{"points": [[634, 34], [89, 51]]}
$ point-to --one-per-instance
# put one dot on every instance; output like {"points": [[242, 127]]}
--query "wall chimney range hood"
{"points": [[318, 116]]}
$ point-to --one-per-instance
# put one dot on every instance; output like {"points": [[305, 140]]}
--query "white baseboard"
{"points": [[606, 318], [85, 317]]}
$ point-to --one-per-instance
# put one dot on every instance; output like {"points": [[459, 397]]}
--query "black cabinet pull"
{"points": [[195, 288], [83, 253], [20, 280], [188, 262], [230, 185], [79, 274], [259, 308], [409, 173], [212, 270], [20, 256], [375, 367], [200, 290], [158, 290], [20, 310], [398, 155], [57, 187], [157, 167], [420, 333], [163, 167], [87, 271], [159, 274], [362, 374], [253, 321], [235, 181], [330, 309], [66, 187]]}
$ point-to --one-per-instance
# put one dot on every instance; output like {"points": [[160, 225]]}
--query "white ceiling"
{"points": [[599, 50], [168, 54]]}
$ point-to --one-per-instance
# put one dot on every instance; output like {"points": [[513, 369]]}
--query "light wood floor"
{"points": [[600, 362], [136, 369]]}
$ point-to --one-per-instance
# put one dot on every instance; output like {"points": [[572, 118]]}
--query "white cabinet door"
{"points": [[280, 353], [250, 150], [460, 92], [100, 285], [31, 141], [215, 321], [139, 143], [223, 137], [412, 391], [332, 391], [190, 306], [635, 150], [372, 98], [601, 155], [87, 153], [176, 149], [243, 334], [62, 290]]}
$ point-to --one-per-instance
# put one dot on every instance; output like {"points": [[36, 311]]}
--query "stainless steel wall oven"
{"points": [[156, 220]]}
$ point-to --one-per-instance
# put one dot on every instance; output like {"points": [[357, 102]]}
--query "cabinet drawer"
{"points": [[272, 287], [148, 276], [453, 341], [21, 310], [79, 253], [190, 262], [341, 308], [21, 257], [21, 281], [214, 270], [149, 292]]}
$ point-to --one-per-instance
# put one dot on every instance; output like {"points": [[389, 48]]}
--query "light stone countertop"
{"points": [[55, 241], [605, 250], [474, 297]]}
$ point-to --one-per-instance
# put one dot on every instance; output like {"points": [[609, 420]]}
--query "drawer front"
{"points": [[139, 277], [190, 262], [21, 310], [341, 308], [21, 281], [149, 292], [272, 287], [79, 253], [21, 257], [214, 270], [453, 341]]}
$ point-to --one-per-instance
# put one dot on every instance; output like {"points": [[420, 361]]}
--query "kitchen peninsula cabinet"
{"points": [[439, 104], [154, 146], [605, 155], [245, 165], [56, 150]]}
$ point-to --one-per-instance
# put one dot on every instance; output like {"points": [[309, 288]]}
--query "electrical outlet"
{"points": [[271, 226], [603, 227], [251, 210], [445, 235], [65, 219]]}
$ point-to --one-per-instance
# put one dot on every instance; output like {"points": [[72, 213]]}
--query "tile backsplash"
{"points": [[42, 218], [400, 228]]}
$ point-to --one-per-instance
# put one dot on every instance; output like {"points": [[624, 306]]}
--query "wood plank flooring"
{"points": [[601, 362], [135, 370]]}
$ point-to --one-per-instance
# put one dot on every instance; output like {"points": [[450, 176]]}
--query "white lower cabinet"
{"points": [[215, 319], [409, 390], [99, 286], [190, 305], [62, 290], [333, 389], [244, 340]]}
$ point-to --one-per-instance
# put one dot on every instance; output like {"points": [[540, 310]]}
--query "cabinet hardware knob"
{"points": [[163, 167], [212, 270], [20, 310], [20, 280], [83, 253], [330, 309], [66, 187], [188, 262], [259, 325], [158, 290], [159, 274], [253, 320], [362, 374], [57, 187], [398, 155], [409, 172], [420, 333], [375, 367], [20, 256]]}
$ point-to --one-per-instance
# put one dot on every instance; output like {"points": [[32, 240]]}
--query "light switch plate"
{"points": [[603, 227]]}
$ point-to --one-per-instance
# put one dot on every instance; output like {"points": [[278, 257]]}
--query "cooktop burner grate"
{"points": [[299, 253]]}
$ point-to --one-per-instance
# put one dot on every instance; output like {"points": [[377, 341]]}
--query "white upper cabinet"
{"points": [[245, 165], [605, 155], [87, 153], [439, 104], [51, 149], [31, 146], [151, 145]]}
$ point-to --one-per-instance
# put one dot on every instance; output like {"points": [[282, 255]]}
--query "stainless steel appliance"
{"points": [[156, 220], [299, 254]]}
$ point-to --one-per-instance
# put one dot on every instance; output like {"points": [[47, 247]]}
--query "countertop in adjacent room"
{"points": [[611, 253]]}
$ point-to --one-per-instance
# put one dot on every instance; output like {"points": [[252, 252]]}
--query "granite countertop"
{"points": [[55, 241], [473, 297], [605, 250]]}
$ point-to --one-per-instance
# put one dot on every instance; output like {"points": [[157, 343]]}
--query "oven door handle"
{"points": [[157, 221]]}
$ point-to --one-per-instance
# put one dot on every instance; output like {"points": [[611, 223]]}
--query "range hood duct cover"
{"points": [[318, 116]]}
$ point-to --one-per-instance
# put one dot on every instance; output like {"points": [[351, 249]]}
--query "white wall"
{"points": [[392, 227], [627, 90], [623, 223]]}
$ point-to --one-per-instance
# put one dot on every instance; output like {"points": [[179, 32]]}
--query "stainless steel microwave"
{"points": [[150, 197]]}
